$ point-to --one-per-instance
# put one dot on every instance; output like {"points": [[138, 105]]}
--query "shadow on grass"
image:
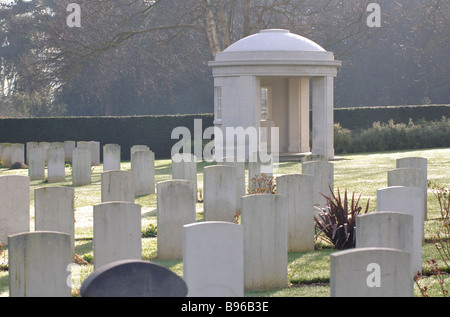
{"points": [[4, 284], [85, 247], [311, 267]]}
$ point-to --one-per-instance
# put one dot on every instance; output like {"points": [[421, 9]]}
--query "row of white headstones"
{"points": [[220, 257]]}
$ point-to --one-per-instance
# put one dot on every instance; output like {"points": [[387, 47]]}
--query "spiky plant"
{"points": [[337, 221]]}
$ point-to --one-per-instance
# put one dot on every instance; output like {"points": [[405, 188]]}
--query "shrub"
{"points": [[342, 139], [441, 236], [262, 184], [149, 232], [17, 165], [89, 258], [337, 221], [393, 136]]}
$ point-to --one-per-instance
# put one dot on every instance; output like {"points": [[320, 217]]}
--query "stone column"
{"points": [[323, 116], [299, 115]]}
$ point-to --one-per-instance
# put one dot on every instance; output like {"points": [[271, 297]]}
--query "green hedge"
{"points": [[153, 131], [393, 136], [364, 117]]}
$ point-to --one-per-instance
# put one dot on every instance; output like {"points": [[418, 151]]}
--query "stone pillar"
{"points": [[299, 115], [323, 116], [241, 109]]}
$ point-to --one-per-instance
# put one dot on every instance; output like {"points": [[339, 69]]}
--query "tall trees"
{"points": [[150, 57]]}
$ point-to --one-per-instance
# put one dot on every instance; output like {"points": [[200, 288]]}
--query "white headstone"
{"points": [[28, 146], [385, 230], [239, 165], [323, 173], [59, 145], [5, 154], [219, 193], [81, 167], [298, 189], [117, 232], [143, 168], [94, 147], [175, 208], [111, 157], [56, 165], [265, 217], [117, 186], [69, 146], [46, 147], [410, 177], [370, 272], [39, 264], [135, 148], [184, 166], [36, 163], [407, 200], [213, 259], [14, 205], [18, 153], [54, 210]]}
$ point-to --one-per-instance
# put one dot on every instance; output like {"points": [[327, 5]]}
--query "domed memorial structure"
{"points": [[265, 80]]}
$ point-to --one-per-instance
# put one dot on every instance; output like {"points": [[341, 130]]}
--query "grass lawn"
{"points": [[308, 272]]}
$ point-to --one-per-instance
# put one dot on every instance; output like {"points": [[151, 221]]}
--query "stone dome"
{"points": [[274, 46], [274, 40]]}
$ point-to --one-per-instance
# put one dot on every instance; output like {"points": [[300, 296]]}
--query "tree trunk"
{"points": [[224, 25], [211, 29], [246, 19]]}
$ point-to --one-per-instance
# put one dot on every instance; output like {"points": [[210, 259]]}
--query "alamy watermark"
{"points": [[235, 145], [374, 18], [374, 278], [74, 18], [73, 280]]}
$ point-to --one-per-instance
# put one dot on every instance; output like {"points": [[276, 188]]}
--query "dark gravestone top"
{"points": [[131, 278]]}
